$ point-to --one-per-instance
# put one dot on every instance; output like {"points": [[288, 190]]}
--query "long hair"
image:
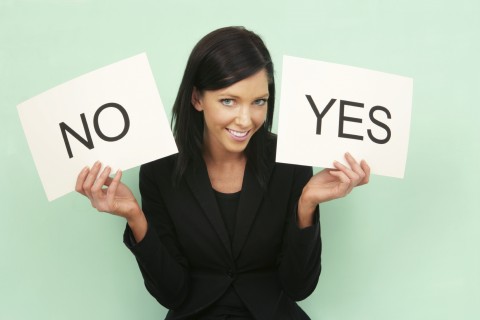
{"points": [[220, 59]]}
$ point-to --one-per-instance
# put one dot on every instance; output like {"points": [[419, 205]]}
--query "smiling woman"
{"points": [[224, 232], [219, 60], [232, 115]]}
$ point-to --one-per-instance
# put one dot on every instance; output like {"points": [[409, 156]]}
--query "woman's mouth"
{"points": [[238, 135]]}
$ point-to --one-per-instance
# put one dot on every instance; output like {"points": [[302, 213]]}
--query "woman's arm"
{"points": [[330, 184], [116, 198], [300, 260], [163, 266], [148, 235], [300, 263]]}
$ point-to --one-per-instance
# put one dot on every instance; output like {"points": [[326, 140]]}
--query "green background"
{"points": [[395, 249]]}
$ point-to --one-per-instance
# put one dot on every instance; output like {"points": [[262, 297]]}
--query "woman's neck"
{"points": [[225, 170], [223, 158]]}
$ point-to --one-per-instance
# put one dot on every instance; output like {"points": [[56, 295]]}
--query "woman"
{"points": [[224, 232]]}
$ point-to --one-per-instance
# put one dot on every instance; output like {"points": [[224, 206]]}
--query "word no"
{"points": [[88, 142], [343, 118]]}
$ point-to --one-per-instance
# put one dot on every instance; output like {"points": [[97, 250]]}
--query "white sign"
{"points": [[328, 109], [113, 114]]}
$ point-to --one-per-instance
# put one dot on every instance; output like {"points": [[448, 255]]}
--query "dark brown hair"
{"points": [[220, 59]]}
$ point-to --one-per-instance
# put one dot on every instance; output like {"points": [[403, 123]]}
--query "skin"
{"points": [[232, 115]]}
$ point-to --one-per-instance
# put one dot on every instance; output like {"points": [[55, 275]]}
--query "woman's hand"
{"points": [[116, 198], [330, 184]]}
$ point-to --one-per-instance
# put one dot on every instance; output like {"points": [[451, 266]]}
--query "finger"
{"points": [[343, 187], [108, 181], [340, 175], [80, 180], [91, 177], [366, 169], [100, 182], [113, 186], [352, 175], [355, 167]]}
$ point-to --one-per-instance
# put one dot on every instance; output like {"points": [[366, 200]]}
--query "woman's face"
{"points": [[233, 114]]}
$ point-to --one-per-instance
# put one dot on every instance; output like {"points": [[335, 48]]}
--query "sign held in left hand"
{"points": [[328, 109]]}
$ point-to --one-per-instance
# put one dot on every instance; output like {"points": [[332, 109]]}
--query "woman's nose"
{"points": [[243, 117]]}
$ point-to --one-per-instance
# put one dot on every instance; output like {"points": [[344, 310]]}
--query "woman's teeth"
{"points": [[239, 134]]}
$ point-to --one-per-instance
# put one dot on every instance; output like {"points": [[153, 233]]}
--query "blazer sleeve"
{"points": [[300, 259], [163, 267]]}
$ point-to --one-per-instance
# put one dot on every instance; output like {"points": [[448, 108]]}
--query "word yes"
{"points": [[343, 118]]}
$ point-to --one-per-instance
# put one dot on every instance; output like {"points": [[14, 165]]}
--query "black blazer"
{"points": [[188, 261]]}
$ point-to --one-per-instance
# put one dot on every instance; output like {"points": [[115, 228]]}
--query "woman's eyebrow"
{"points": [[234, 96]]}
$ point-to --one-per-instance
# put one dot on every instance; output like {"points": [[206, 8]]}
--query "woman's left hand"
{"points": [[330, 184]]}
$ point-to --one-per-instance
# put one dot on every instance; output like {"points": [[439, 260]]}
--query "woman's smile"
{"points": [[233, 114], [238, 135]]}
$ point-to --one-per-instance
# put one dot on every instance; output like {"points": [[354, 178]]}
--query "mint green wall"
{"points": [[395, 249]]}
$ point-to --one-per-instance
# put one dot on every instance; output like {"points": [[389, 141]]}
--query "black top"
{"points": [[230, 303], [189, 261], [228, 205]]}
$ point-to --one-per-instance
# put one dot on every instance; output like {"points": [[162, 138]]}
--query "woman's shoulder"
{"points": [[165, 164]]}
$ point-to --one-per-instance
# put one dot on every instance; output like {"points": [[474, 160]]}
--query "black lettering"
{"points": [[380, 124], [318, 114], [126, 120], [87, 143], [343, 118]]}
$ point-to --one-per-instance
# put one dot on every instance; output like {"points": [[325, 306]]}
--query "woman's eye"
{"points": [[227, 102], [260, 102]]}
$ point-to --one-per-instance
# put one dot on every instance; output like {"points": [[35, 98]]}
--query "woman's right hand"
{"points": [[111, 195], [108, 194]]}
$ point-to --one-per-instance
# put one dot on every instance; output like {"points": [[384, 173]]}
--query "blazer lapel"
{"points": [[199, 183], [250, 201]]}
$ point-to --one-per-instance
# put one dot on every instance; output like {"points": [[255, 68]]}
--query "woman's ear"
{"points": [[197, 99]]}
